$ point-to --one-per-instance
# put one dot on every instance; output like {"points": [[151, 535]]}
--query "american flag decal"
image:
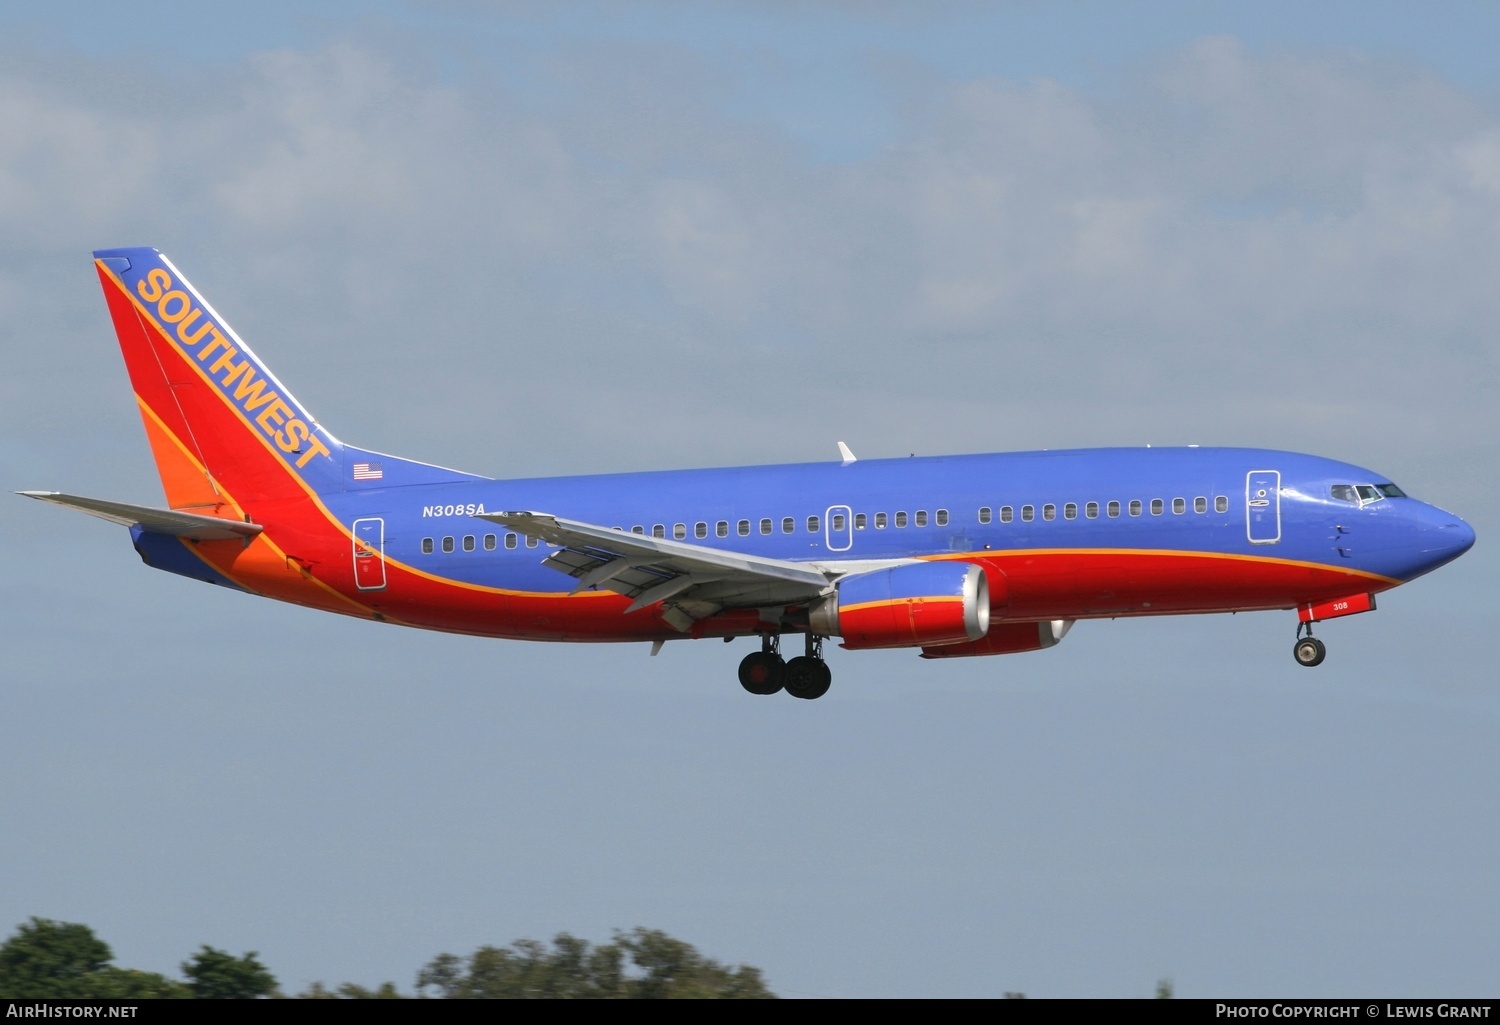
{"points": [[368, 471]]}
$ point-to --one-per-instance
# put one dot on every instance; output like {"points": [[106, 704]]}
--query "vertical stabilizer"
{"points": [[220, 424]]}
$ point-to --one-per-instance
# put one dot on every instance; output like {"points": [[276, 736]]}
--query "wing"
{"points": [[155, 521], [693, 580]]}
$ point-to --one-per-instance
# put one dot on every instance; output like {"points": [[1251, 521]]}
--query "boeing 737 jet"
{"points": [[951, 557]]}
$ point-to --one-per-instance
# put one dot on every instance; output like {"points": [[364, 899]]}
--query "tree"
{"points": [[571, 968], [218, 975], [51, 959], [66, 961], [350, 991]]}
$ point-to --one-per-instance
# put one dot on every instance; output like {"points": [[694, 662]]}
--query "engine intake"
{"points": [[916, 605]]}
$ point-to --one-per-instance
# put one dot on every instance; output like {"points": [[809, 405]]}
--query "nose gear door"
{"points": [[1263, 506]]}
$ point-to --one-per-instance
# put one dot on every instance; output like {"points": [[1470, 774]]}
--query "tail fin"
{"points": [[223, 429]]}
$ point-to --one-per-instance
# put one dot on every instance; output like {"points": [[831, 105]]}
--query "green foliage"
{"points": [[66, 961], [1164, 989], [350, 991], [52, 959], [661, 968], [218, 975]]}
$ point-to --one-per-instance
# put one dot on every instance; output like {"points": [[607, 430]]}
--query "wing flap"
{"points": [[155, 521]]}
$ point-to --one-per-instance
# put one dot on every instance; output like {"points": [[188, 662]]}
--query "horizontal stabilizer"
{"points": [[154, 521]]}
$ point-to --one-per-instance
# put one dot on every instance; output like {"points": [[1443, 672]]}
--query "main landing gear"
{"points": [[1308, 651], [806, 676]]}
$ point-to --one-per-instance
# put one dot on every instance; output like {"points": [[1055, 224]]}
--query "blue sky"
{"points": [[549, 239]]}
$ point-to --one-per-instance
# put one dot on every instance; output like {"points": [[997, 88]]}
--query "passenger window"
{"points": [[1157, 507], [984, 514], [427, 546], [788, 525], [531, 542], [812, 524], [1114, 508], [1070, 511], [1221, 503], [1049, 511], [447, 544], [838, 521], [489, 542], [721, 529], [1091, 510], [1179, 506], [765, 526], [468, 542], [638, 529], [1007, 514], [1028, 513], [860, 521], [1135, 507], [658, 530], [743, 527], [679, 531], [901, 519], [700, 529], [941, 517], [880, 521], [510, 540], [1200, 504], [920, 517]]}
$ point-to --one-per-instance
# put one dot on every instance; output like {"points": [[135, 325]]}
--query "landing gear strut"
{"points": [[761, 672], [807, 676], [1308, 651]]}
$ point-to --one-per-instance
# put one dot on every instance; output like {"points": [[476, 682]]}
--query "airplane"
{"points": [[951, 556]]}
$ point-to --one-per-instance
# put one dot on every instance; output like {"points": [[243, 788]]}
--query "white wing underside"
{"points": [[692, 581]]}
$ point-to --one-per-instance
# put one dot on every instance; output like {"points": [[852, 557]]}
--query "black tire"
{"points": [[761, 672], [1309, 651], [807, 678]]}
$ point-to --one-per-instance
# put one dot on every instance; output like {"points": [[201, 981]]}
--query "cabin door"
{"points": [[1263, 506], [839, 529], [369, 554]]}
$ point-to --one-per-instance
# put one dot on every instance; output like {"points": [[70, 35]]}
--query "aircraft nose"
{"points": [[1444, 538]]}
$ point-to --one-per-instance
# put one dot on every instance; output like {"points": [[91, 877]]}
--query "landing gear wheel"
{"points": [[1309, 651], [806, 678], [761, 672]]}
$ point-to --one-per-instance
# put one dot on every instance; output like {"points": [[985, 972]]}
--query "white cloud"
{"points": [[1227, 231]]}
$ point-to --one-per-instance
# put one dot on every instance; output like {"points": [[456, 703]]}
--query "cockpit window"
{"points": [[1344, 493], [1367, 493], [1390, 491]]}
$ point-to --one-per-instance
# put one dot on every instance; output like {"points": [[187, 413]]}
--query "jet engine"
{"points": [[917, 604], [1007, 639]]}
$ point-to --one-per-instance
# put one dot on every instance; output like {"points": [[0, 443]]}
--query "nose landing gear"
{"points": [[1308, 651]]}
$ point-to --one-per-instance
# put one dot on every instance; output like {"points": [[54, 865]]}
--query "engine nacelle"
{"points": [[918, 604], [1007, 639]]}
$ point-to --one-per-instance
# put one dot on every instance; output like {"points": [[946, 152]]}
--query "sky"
{"points": [[546, 239]]}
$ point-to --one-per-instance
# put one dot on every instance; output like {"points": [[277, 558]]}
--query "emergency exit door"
{"points": [[369, 554], [1263, 506]]}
